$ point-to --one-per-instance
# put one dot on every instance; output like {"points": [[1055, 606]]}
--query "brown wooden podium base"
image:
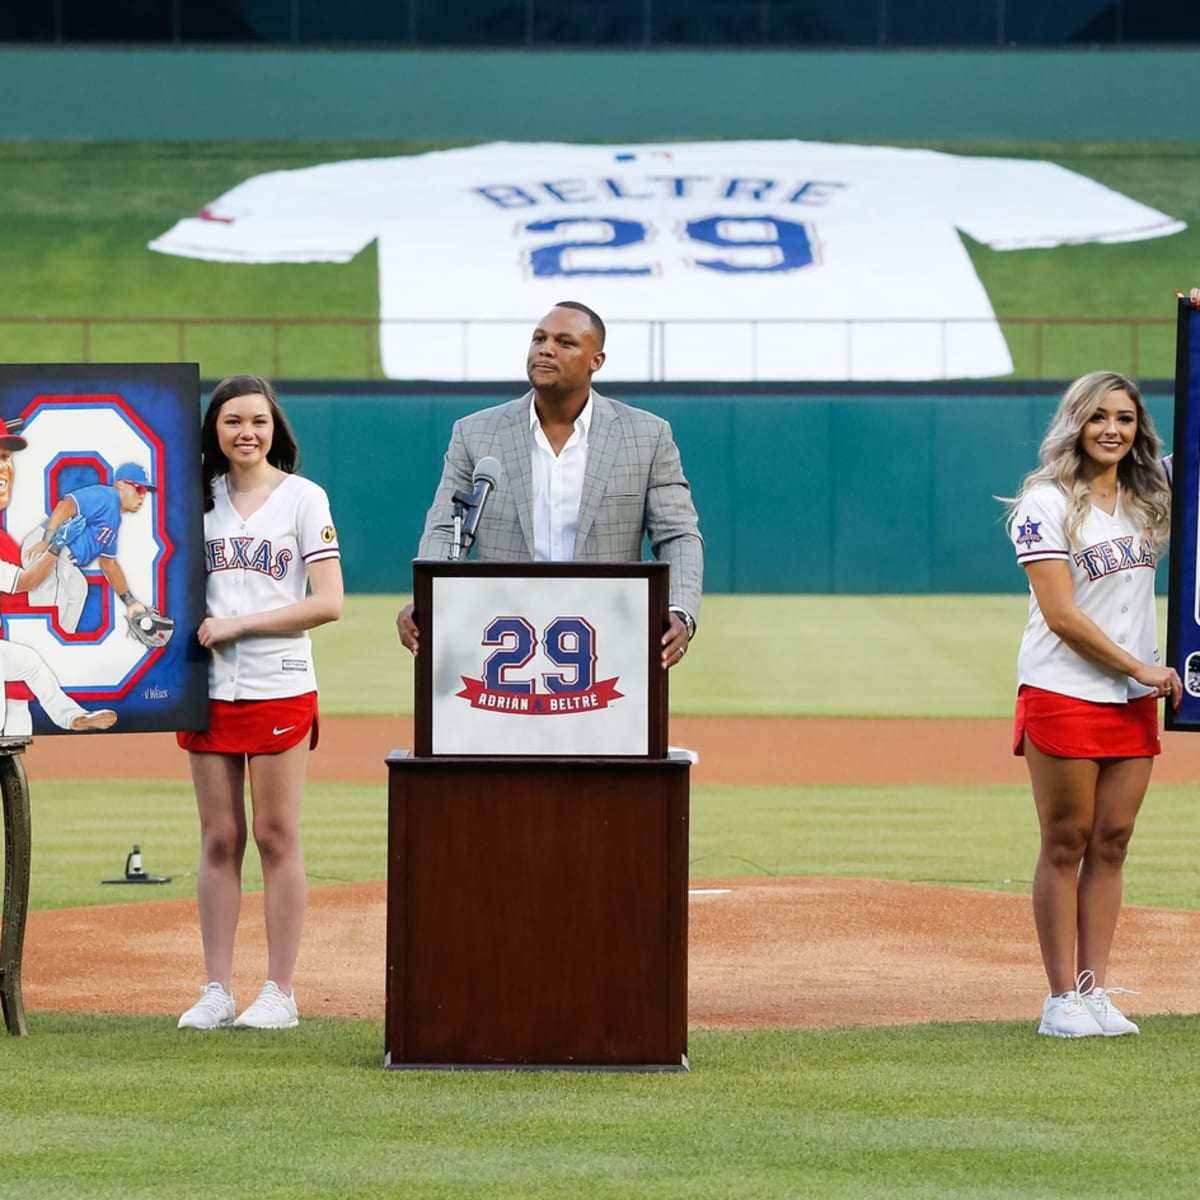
{"points": [[537, 913], [14, 799]]}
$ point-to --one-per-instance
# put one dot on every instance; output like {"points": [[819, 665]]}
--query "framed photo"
{"points": [[1183, 600], [101, 525], [540, 659]]}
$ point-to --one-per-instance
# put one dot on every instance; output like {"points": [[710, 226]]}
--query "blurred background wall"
{"points": [[840, 490], [170, 91]]}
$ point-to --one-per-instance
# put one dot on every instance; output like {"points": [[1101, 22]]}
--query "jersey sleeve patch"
{"points": [[1029, 532], [1037, 529]]}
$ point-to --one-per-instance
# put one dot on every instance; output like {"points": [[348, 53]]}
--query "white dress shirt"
{"points": [[557, 486]]}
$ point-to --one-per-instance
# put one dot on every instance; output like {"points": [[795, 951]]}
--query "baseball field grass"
{"points": [[962, 835], [77, 217], [129, 1109], [125, 1107], [760, 656]]}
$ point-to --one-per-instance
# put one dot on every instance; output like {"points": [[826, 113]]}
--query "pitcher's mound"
{"points": [[778, 952]]}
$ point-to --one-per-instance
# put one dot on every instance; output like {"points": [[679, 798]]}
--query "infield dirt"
{"points": [[775, 952]]}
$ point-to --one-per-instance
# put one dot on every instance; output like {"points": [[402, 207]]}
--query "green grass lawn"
{"points": [[128, 1108], [759, 656], [970, 836], [77, 217], [120, 1108]]}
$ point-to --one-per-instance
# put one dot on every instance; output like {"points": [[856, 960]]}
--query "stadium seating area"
{"points": [[722, 23]]}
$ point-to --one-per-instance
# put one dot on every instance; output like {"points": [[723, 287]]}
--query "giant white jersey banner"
{"points": [[708, 260]]}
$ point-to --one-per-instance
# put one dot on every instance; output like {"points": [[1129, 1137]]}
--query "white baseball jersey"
{"points": [[10, 574], [258, 563], [1112, 574], [708, 260], [18, 662]]}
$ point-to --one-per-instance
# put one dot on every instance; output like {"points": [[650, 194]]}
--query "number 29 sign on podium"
{"points": [[542, 659]]}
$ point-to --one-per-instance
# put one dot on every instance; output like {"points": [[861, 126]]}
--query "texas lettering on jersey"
{"points": [[1119, 554], [246, 554]]}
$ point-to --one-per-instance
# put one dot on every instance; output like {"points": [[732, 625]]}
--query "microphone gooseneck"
{"points": [[468, 506]]}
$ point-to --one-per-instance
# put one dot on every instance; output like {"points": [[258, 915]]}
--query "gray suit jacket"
{"points": [[633, 488]]}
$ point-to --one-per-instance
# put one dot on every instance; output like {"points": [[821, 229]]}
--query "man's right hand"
{"points": [[406, 626]]}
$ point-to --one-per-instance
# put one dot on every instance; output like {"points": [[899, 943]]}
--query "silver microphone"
{"points": [[483, 480]]}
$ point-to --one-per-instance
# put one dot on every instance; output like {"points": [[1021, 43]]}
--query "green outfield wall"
{"points": [[194, 93], [822, 492]]}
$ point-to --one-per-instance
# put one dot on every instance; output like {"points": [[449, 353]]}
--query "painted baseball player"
{"points": [[84, 528], [1088, 528], [25, 674], [273, 573]]}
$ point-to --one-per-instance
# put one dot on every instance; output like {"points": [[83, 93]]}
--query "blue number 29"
{"points": [[548, 260], [788, 240], [790, 243], [568, 642]]}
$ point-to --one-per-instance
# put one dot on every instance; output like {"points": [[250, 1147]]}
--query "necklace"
{"points": [[258, 487]]}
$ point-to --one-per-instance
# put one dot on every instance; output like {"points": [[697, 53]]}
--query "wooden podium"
{"points": [[537, 891]]}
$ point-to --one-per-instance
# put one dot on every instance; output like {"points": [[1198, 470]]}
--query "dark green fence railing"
{"points": [[348, 347]]}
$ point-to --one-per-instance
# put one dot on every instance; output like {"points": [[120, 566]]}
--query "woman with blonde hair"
{"points": [[1089, 527]]}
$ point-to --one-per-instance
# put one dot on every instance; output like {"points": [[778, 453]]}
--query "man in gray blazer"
{"points": [[584, 477]]}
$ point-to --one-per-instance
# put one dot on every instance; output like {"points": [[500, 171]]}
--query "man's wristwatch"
{"points": [[686, 617]]}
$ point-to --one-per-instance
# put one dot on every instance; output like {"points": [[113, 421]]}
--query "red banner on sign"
{"points": [[540, 704]]}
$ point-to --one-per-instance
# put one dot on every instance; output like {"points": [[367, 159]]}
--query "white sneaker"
{"points": [[272, 1010], [1067, 1016], [1112, 1021], [214, 1009]]}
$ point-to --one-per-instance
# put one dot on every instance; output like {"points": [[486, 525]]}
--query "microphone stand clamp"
{"points": [[463, 503]]}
